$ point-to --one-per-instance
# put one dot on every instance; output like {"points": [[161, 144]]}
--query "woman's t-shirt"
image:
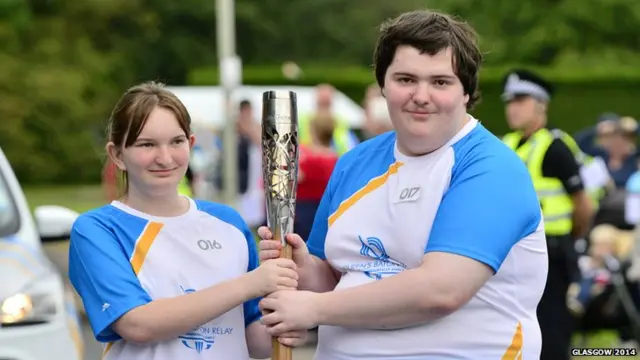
{"points": [[120, 259]]}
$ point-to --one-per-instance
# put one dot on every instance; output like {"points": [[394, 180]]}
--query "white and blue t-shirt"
{"points": [[383, 211], [120, 258]]}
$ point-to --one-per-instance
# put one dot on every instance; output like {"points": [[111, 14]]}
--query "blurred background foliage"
{"points": [[64, 63]]}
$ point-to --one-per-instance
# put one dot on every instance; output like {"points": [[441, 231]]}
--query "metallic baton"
{"points": [[280, 174]]}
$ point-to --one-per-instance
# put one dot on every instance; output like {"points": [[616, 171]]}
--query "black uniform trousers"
{"points": [[556, 322]]}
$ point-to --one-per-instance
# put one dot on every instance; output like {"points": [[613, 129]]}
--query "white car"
{"points": [[38, 316]]}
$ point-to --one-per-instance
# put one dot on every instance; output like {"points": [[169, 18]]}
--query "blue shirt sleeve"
{"points": [[490, 205], [100, 271]]}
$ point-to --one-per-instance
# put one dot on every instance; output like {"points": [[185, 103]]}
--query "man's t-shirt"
{"points": [[120, 258], [383, 211]]}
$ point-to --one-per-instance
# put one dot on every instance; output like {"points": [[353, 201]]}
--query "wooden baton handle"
{"points": [[281, 351]]}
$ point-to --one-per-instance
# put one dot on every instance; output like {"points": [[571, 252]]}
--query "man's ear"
{"points": [[115, 154]]}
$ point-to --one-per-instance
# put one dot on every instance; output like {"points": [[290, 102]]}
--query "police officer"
{"points": [[551, 157]]}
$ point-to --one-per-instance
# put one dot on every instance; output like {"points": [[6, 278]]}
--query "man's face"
{"points": [[324, 97], [521, 111], [426, 100], [620, 144]]}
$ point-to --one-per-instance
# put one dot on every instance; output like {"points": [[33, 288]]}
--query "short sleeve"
{"points": [[320, 226], [490, 205], [251, 309], [100, 272], [560, 162]]}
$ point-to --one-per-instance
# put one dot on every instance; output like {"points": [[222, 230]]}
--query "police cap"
{"points": [[527, 83]]}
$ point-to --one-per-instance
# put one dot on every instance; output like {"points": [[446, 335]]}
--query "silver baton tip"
{"points": [[278, 94]]}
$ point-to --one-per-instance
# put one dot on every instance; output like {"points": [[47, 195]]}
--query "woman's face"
{"points": [[157, 161]]}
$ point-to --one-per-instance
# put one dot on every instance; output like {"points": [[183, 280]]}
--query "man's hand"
{"points": [[270, 249], [286, 311]]}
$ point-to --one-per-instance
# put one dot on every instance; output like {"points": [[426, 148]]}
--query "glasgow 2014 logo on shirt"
{"points": [[381, 264], [202, 338]]}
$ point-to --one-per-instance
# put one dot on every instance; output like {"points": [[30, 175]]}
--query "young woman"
{"points": [[163, 276]]}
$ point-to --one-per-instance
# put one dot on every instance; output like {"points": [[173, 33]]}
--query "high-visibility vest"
{"points": [[341, 134], [184, 188], [556, 204]]}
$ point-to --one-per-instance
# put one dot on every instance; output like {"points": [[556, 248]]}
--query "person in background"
{"points": [[614, 140], [377, 118], [595, 276], [249, 137], [110, 181], [632, 216], [251, 196], [555, 170], [342, 139], [316, 162]]}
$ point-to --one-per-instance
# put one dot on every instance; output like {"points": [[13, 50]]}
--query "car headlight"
{"points": [[35, 303]]}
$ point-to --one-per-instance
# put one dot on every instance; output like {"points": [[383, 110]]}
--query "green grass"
{"points": [[85, 197], [77, 197]]}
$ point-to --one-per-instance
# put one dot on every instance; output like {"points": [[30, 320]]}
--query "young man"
{"points": [[552, 158], [429, 241]]}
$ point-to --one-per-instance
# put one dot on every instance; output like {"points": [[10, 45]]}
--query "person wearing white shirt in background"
{"points": [[632, 216], [377, 119]]}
